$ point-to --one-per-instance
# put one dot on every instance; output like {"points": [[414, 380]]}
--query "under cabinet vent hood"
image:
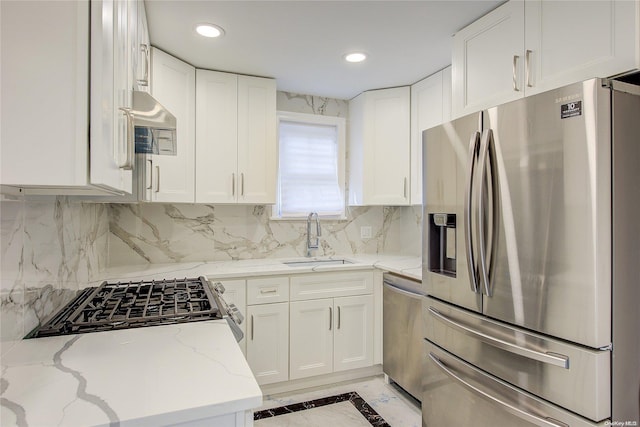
{"points": [[155, 126]]}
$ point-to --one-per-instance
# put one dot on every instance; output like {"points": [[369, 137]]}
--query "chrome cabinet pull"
{"points": [[268, 291], [404, 191], [554, 359], [527, 63], [339, 317], [474, 144], [157, 179], [534, 419], [233, 184], [127, 164], [150, 186], [252, 327], [330, 318], [242, 184], [144, 81], [515, 74]]}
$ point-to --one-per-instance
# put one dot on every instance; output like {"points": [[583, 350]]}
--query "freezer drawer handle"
{"points": [[551, 358], [535, 419]]}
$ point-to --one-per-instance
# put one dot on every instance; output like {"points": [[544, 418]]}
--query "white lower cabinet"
{"points": [[311, 338], [268, 328], [268, 342], [331, 335]]}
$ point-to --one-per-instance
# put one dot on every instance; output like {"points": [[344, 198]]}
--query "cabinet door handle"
{"points": [[252, 327], [127, 164], [233, 184], [515, 73], [157, 179], [339, 317], [330, 318], [242, 184], [527, 63], [144, 81], [404, 191], [150, 186]]}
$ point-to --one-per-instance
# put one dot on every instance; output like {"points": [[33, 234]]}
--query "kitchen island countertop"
{"points": [[150, 376]]}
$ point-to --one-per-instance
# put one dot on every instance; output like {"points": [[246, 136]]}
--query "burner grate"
{"points": [[134, 304]]}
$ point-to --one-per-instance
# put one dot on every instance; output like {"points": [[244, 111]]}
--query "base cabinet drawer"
{"points": [[330, 285]]}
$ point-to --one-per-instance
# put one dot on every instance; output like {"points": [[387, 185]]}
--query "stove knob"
{"points": [[235, 314], [218, 287]]}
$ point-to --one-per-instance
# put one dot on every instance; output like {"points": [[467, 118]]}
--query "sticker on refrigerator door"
{"points": [[571, 109]]}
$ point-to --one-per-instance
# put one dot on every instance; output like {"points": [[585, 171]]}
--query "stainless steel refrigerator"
{"points": [[531, 262]]}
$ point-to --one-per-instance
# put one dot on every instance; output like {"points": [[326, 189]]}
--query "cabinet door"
{"points": [[256, 140], [567, 42], [353, 334], [427, 110], [487, 62], [143, 51], [311, 334], [387, 147], [268, 342], [44, 75], [216, 137], [172, 178], [236, 293]]}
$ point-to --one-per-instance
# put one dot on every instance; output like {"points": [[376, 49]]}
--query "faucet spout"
{"points": [[316, 243]]}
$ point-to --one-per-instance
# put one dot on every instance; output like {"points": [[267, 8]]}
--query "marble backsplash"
{"points": [[50, 248], [166, 233]]}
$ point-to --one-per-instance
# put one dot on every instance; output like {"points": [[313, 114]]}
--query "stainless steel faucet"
{"points": [[318, 233]]}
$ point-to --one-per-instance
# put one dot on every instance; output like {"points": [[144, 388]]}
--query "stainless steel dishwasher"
{"points": [[402, 341]]}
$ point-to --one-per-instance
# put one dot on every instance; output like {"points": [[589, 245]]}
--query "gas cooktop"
{"points": [[123, 305]]}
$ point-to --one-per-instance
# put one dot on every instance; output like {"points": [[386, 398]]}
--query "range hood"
{"points": [[155, 126]]}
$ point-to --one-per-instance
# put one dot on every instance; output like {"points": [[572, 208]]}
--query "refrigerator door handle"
{"points": [[554, 359], [534, 419], [474, 144], [487, 156]]}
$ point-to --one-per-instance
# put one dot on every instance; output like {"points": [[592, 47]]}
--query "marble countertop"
{"points": [[410, 266], [150, 376], [144, 377]]}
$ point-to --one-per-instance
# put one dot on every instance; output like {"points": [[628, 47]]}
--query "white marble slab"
{"points": [[405, 265], [151, 376]]}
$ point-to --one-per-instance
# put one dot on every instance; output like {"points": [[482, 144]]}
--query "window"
{"points": [[310, 166]]}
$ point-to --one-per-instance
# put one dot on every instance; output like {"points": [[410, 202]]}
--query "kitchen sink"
{"points": [[316, 262]]}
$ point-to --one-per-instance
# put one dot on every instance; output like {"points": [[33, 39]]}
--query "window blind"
{"points": [[308, 170]]}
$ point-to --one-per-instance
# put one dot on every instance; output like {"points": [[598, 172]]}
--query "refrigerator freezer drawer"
{"points": [[458, 394], [574, 377]]}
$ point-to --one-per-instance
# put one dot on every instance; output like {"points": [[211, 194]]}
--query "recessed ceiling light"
{"points": [[355, 57], [209, 30]]}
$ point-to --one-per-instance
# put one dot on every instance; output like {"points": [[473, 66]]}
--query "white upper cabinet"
{"points": [[567, 42], [142, 51], [487, 60], [379, 147], [526, 47], [430, 106], [171, 179], [48, 146], [235, 138], [112, 77]]}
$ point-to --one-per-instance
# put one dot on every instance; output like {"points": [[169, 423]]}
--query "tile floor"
{"points": [[396, 407]]}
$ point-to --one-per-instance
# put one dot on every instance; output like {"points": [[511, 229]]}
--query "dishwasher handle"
{"points": [[402, 291]]}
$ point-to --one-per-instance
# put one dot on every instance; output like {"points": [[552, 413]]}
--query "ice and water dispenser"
{"points": [[442, 244]]}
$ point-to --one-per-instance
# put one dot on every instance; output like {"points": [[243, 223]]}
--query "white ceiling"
{"points": [[301, 43]]}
